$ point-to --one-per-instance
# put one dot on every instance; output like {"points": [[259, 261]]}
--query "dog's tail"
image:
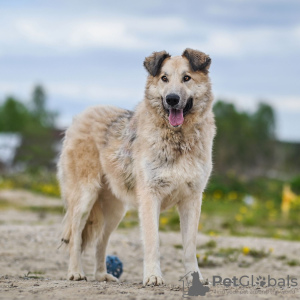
{"points": [[92, 229]]}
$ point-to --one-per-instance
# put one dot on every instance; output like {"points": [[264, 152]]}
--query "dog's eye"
{"points": [[164, 78], [186, 78]]}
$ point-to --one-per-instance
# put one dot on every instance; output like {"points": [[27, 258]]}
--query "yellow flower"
{"points": [[217, 194], [212, 233], [238, 217], [197, 255], [243, 210], [287, 197], [163, 220], [271, 250], [232, 195], [246, 250]]}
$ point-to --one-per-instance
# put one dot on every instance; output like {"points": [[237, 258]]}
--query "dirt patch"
{"points": [[31, 266]]}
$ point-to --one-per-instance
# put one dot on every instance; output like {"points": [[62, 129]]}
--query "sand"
{"points": [[31, 266]]}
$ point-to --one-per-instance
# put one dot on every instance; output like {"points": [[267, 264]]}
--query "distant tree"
{"points": [[14, 116], [45, 117], [244, 142], [36, 125], [37, 150]]}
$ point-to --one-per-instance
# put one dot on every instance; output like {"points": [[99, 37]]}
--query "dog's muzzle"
{"points": [[175, 112], [188, 106]]}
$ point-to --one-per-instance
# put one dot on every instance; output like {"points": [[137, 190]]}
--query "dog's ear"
{"points": [[153, 62], [198, 60]]}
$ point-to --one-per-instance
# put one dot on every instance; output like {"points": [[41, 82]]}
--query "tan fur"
{"points": [[113, 159]]}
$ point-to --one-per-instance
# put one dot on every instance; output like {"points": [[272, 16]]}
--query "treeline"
{"points": [[35, 124], [245, 142], [245, 145]]}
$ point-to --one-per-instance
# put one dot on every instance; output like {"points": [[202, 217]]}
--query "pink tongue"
{"points": [[176, 117]]}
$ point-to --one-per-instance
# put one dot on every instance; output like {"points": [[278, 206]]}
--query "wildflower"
{"points": [[238, 217], [232, 195], [287, 197], [217, 194], [246, 250], [164, 220]]}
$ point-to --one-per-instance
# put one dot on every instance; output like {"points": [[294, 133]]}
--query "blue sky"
{"points": [[91, 52]]}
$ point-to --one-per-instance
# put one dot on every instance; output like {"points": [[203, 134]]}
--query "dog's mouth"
{"points": [[176, 116]]}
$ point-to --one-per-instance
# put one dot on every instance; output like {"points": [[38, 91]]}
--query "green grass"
{"points": [[4, 204], [45, 209], [34, 275], [293, 262], [210, 245], [224, 209], [218, 256]]}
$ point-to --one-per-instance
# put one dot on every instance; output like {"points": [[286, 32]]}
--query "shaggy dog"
{"points": [[153, 158]]}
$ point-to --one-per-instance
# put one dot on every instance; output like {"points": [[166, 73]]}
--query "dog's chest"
{"points": [[183, 175]]}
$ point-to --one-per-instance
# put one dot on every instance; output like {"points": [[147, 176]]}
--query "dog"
{"points": [[156, 157]]}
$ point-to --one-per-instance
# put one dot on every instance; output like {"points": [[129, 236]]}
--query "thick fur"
{"points": [[114, 158]]}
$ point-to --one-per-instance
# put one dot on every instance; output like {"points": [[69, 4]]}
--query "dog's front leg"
{"points": [[189, 211], [149, 210]]}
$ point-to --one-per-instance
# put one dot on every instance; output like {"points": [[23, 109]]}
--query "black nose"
{"points": [[172, 99]]}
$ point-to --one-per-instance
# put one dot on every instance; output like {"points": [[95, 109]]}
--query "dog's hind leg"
{"points": [[80, 216], [113, 211]]}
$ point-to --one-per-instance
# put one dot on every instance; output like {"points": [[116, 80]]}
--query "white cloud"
{"points": [[255, 41], [78, 33], [45, 35], [9, 88], [287, 103], [75, 92], [284, 103], [84, 92]]}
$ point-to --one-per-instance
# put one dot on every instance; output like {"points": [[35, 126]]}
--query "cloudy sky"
{"points": [[90, 52]]}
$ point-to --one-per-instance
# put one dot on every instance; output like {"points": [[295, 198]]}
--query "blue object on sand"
{"points": [[114, 266]]}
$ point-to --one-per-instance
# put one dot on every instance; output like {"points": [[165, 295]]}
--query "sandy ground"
{"points": [[31, 266]]}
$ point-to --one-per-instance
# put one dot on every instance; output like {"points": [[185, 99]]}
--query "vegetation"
{"points": [[216, 256], [35, 124], [244, 144]]}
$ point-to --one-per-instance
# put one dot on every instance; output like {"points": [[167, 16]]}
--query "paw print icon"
{"points": [[261, 281]]}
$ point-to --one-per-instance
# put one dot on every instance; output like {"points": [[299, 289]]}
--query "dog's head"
{"points": [[178, 86]]}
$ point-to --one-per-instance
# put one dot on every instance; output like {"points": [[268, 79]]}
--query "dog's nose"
{"points": [[172, 99]]}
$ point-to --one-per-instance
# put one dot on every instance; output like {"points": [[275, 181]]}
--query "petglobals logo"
{"points": [[263, 281]]}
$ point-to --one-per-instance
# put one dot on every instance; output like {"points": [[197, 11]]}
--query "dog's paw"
{"points": [[102, 276], [153, 280], [76, 276]]}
